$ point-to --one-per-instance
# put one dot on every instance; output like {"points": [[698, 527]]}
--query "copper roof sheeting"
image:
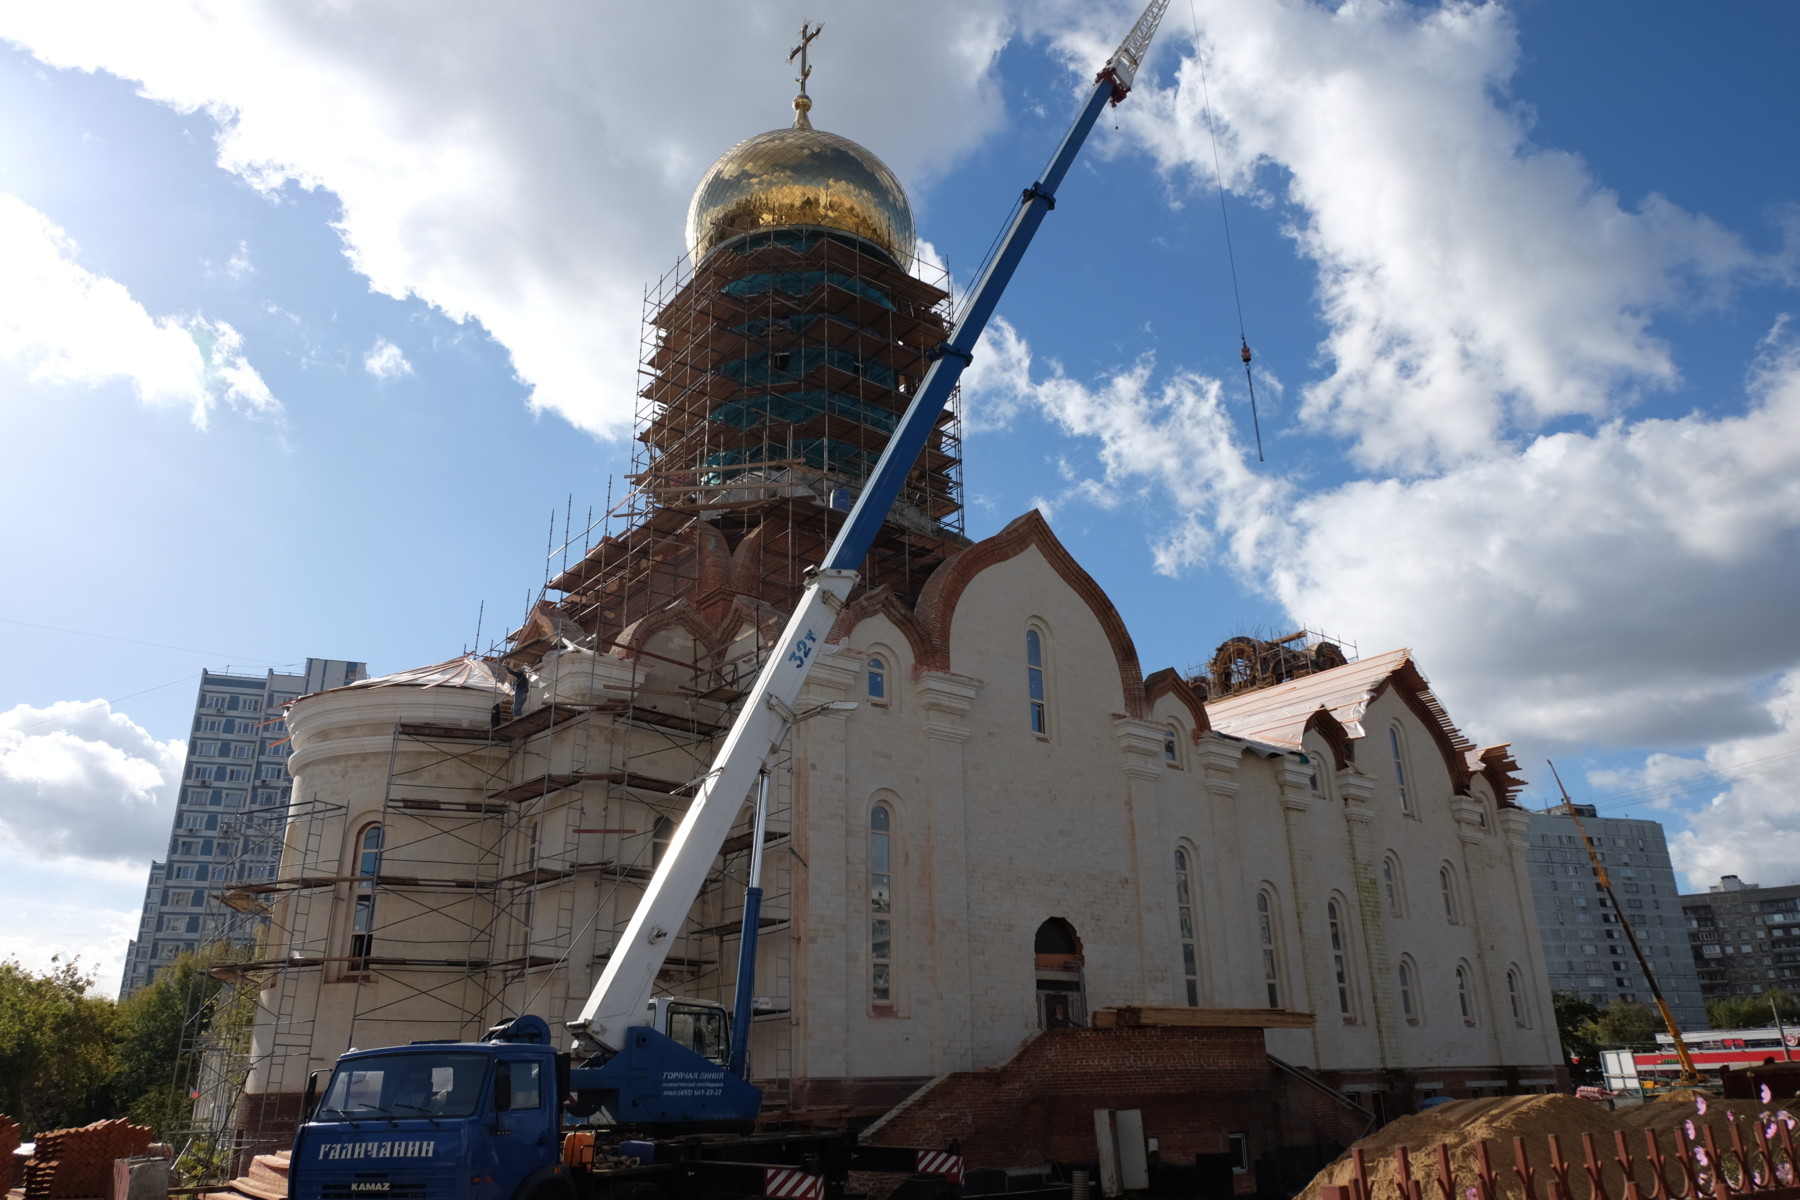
{"points": [[1278, 715], [1281, 715]]}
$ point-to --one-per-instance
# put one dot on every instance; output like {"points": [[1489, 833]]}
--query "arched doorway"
{"points": [[1061, 995]]}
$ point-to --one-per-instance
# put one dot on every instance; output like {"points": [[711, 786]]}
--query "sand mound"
{"points": [[1464, 1125]]}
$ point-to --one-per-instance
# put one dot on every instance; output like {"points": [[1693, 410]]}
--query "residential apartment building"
{"points": [[229, 815], [1745, 938], [1585, 948]]}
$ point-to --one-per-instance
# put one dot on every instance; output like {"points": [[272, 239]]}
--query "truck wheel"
{"points": [[638, 1191]]}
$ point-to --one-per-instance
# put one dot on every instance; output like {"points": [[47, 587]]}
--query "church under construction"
{"points": [[1015, 828]]}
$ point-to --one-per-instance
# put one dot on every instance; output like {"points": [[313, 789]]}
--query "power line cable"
{"points": [[236, 658], [97, 703]]}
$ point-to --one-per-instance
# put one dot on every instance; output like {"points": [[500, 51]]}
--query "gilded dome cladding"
{"points": [[800, 176]]}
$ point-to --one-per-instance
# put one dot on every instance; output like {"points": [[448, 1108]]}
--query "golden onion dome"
{"points": [[800, 176]]}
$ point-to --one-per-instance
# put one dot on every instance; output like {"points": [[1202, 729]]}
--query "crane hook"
{"points": [[1244, 353]]}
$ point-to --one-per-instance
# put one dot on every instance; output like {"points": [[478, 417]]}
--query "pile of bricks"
{"points": [[72, 1163], [9, 1141]]}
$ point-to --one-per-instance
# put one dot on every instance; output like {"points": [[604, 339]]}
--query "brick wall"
{"points": [[1193, 1086]]}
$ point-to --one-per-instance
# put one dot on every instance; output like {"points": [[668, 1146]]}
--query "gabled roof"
{"points": [[1279, 714]]}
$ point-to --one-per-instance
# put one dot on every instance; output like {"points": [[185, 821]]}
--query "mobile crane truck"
{"points": [[662, 1087]]}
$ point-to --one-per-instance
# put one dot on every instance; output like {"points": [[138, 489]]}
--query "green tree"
{"points": [[161, 1031], [1626, 1023], [1755, 1011], [56, 1047], [1575, 1018]]}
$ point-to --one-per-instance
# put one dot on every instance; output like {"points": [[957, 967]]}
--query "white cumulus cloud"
{"points": [[1750, 827], [80, 781], [386, 361], [504, 163], [1474, 285], [64, 324]]}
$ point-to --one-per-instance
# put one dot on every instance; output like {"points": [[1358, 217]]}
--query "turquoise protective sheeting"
{"points": [[799, 283], [794, 240], [797, 323], [803, 361], [819, 453], [798, 407]]}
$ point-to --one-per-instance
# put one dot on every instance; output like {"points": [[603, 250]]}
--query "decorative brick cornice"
{"points": [[882, 602], [942, 692], [1358, 790], [1513, 823], [1296, 781], [1215, 752], [937, 603], [1168, 682], [1141, 745], [830, 676]]}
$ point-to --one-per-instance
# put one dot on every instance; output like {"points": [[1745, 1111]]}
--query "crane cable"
{"points": [[1225, 218]]}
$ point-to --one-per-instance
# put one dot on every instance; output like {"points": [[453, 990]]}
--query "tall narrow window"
{"points": [[1465, 1001], [1513, 998], [1340, 960], [1184, 908], [1034, 680], [1393, 889], [877, 679], [881, 906], [661, 834], [1447, 882], [1172, 746], [1408, 1005], [1271, 959], [1399, 767], [362, 918]]}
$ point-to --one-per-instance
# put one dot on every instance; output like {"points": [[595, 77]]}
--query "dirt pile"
{"points": [[1464, 1125]]}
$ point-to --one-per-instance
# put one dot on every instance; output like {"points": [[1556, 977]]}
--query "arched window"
{"points": [[362, 917], [1267, 935], [1172, 746], [1034, 682], [1393, 886], [1409, 1000], [1465, 997], [1515, 998], [1399, 752], [881, 906], [877, 678], [1447, 884], [1340, 956], [1184, 909]]}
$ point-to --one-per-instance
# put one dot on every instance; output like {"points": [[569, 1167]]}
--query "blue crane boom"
{"points": [[871, 509], [625, 986]]}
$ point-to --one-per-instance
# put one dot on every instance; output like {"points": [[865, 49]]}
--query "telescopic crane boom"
{"points": [[618, 999], [1690, 1075]]}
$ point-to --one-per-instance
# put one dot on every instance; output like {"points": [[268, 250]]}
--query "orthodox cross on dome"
{"points": [[802, 102]]}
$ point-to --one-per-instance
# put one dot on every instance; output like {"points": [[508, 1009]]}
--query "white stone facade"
{"points": [[993, 830]]}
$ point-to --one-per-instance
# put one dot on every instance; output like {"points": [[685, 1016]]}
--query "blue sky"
{"points": [[316, 316]]}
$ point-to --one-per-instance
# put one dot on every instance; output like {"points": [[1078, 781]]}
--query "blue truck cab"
{"points": [[437, 1121]]}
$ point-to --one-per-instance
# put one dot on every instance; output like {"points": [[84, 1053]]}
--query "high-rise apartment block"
{"points": [[229, 816], [1745, 937], [1585, 947]]}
